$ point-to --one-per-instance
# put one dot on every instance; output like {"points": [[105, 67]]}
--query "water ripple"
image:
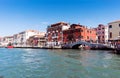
{"points": [[41, 63]]}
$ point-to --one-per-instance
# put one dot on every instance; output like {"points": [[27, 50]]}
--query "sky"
{"points": [[20, 15]]}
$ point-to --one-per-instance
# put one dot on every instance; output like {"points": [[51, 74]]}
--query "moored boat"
{"points": [[10, 46]]}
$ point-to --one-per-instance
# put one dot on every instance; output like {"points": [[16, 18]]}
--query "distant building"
{"points": [[0, 40], [102, 33], [78, 32], [16, 39], [114, 30], [89, 34], [54, 33], [106, 34], [20, 39], [7, 40], [73, 34], [36, 41]]}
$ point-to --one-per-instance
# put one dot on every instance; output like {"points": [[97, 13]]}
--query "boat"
{"points": [[10, 46]]}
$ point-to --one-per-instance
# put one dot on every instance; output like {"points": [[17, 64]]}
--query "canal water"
{"points": [[44, 63]]}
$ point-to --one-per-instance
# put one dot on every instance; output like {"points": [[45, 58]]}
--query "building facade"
{"points": [[36, 41], [78, 32], [54, 34], [0, 41], [114, 30], [73, 34], [89, 34], [20, 39], [7, 40], [102, 33], [106, 34]]}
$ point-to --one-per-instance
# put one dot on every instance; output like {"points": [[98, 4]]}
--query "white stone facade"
{"points": [[106, 34], [114, 30], [20, 39], [6, 40]]}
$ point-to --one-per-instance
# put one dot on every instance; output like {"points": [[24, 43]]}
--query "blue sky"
{"points": [[20, 15]]}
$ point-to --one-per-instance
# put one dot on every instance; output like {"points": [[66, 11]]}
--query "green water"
{"points": [[43, 63]]}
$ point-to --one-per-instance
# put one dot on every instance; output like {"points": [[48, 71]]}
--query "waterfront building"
{"points": [[36, 41], [106, 34], [78, 32], [54, 34], [7, 40], [20, 39], [15, 39], [73, 34], [102, 33], [0, 40], [114, 30], [89, 34]]}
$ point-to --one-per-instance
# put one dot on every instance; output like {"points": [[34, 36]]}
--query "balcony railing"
{"points": [[54, 36]]}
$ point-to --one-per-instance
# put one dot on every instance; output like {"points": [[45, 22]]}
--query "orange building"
{"points": [[89, 34], [78, 32]]}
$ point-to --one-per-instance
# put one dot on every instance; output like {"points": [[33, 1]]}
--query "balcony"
{"points": [[54, 37]]}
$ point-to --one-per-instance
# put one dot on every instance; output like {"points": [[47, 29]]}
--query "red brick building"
{"points": [[54, 33], [78, 32]]}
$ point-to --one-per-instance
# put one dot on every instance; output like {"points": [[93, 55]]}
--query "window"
{"points": [[90, 32], [103, 37], [53, 34], [99, 37], [81, 30], [81, 36], [87, 31], [110, 26], [87, 37], [110, 34], [119, 25], [56, 34]]}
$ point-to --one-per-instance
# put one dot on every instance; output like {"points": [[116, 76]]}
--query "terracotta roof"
{"points": [[59, 23]]}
